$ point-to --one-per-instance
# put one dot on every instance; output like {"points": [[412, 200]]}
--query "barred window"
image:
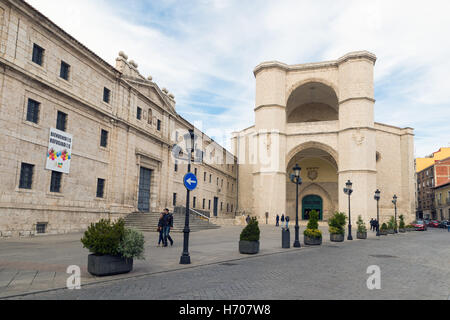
{"points": [[61, 121], [106, 95], [204, 203], [104, 139], [159, 125], [64, 71], [194, 202], [174, 202], [139, 113], [38, 54], [55, 182], [26, 176], [33, 111], [100, 188]]}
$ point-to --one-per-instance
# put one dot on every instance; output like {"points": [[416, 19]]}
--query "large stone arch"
{"points": [[313, 145], [302, 82]]}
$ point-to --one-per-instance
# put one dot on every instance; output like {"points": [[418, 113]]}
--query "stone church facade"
{"points": [[124, 128], [321, 116]]}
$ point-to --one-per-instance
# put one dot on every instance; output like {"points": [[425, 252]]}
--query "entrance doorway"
{"points": [[310, 203], [144, 190]]}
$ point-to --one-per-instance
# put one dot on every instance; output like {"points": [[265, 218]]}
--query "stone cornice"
{"points": [[274, 105], [316, 65]]}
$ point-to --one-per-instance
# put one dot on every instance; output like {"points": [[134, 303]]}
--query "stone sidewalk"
{"points": [[38, 264]]}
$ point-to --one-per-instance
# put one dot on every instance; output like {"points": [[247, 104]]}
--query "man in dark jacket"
{"points": [[167, 225], [278, 220]]}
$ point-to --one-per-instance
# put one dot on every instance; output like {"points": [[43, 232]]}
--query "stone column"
{"points": [[357, 144], [269, 176]]}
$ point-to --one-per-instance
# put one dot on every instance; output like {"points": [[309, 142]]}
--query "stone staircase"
{"points": [[148, 222]]}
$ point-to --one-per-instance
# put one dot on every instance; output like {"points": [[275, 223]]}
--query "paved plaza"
{"points": [[413, 266]]}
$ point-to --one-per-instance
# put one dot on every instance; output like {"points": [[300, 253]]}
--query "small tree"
{"points": [[312, 229], [402, 222], [391, 224], [384, 227], [337, 222], [251, 232], [361, 225], [132, 245]]}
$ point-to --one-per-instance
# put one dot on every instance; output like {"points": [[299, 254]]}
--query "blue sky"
{"points": [[204, 52]]}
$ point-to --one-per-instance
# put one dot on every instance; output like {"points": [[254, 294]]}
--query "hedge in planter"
{"points": [[402, 227], [383, 229], [113, 247], [391, 226], [249, 243], [312, 234], [362, 229], [336, 227]]}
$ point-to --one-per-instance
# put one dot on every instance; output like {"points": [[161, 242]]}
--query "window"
{"points": [[231, 208], [100, 188], [194, 201], [159, 125], [104, 139], [38, 54], [139, 113], [228, 207], [33, 111], [204, 176], [55, 182], [209, 204], [41, 228], [176, 166], [26, 176], [221, 184], [195, 171], [106, 95], [217, 181], [174, 200], [61, 121], [204, 203], [210, 178], [64, 71], [221, 206]]}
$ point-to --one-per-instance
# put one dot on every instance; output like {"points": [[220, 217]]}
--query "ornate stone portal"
{"points": [[321, 116]]}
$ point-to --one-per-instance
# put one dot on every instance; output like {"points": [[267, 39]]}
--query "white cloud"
{"points": [[211, 47]]}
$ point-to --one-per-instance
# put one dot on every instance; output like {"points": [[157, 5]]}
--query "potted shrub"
{"points": [[391, 226], [112, 247], [402, 227], [383, 229], [336, 227], [249, 243], [312, 234], [362, 229], [410, 228]]}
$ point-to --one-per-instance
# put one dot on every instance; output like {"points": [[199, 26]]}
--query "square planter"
{"points": [[336, 237], [361, 235], [402, 230], [390, 231], [108, 265], [248, 247], [383, 232], [310, 241]]}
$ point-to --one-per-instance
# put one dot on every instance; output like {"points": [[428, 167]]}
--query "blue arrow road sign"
{"points": [[190, 181]]}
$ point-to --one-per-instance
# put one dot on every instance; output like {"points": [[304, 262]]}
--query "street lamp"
{"points": [[394, 201], [348, 190], [377, 197], [295, 178], [189, 138]]}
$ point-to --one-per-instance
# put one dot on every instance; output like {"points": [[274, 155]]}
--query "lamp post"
{"points": [[394, 201], [295, 178], [377, 197], [348, 190], [185, 257]]}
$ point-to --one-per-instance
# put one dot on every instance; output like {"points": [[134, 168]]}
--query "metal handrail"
{"points": [[198, 213]]}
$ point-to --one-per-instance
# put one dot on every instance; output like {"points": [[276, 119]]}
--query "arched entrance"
{"points": [[311, 203]]}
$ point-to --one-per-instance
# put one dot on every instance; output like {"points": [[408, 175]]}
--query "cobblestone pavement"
{"points": [[413, 266]]}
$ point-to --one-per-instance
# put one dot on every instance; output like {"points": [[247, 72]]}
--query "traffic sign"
{"points": [[190, 181]]}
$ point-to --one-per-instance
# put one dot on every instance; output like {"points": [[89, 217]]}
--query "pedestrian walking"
{"points": [[167, 225], [278, 220], [287, 222], [282, 219], [371, 224], [248, 219], [161, 230]]}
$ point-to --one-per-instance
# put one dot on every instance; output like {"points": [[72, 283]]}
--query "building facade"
{"points": [[321, 116], [82, 140], [431, 172], [443, 201]]}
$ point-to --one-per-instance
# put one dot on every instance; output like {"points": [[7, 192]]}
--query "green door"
{"points": [[310, 203]]}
